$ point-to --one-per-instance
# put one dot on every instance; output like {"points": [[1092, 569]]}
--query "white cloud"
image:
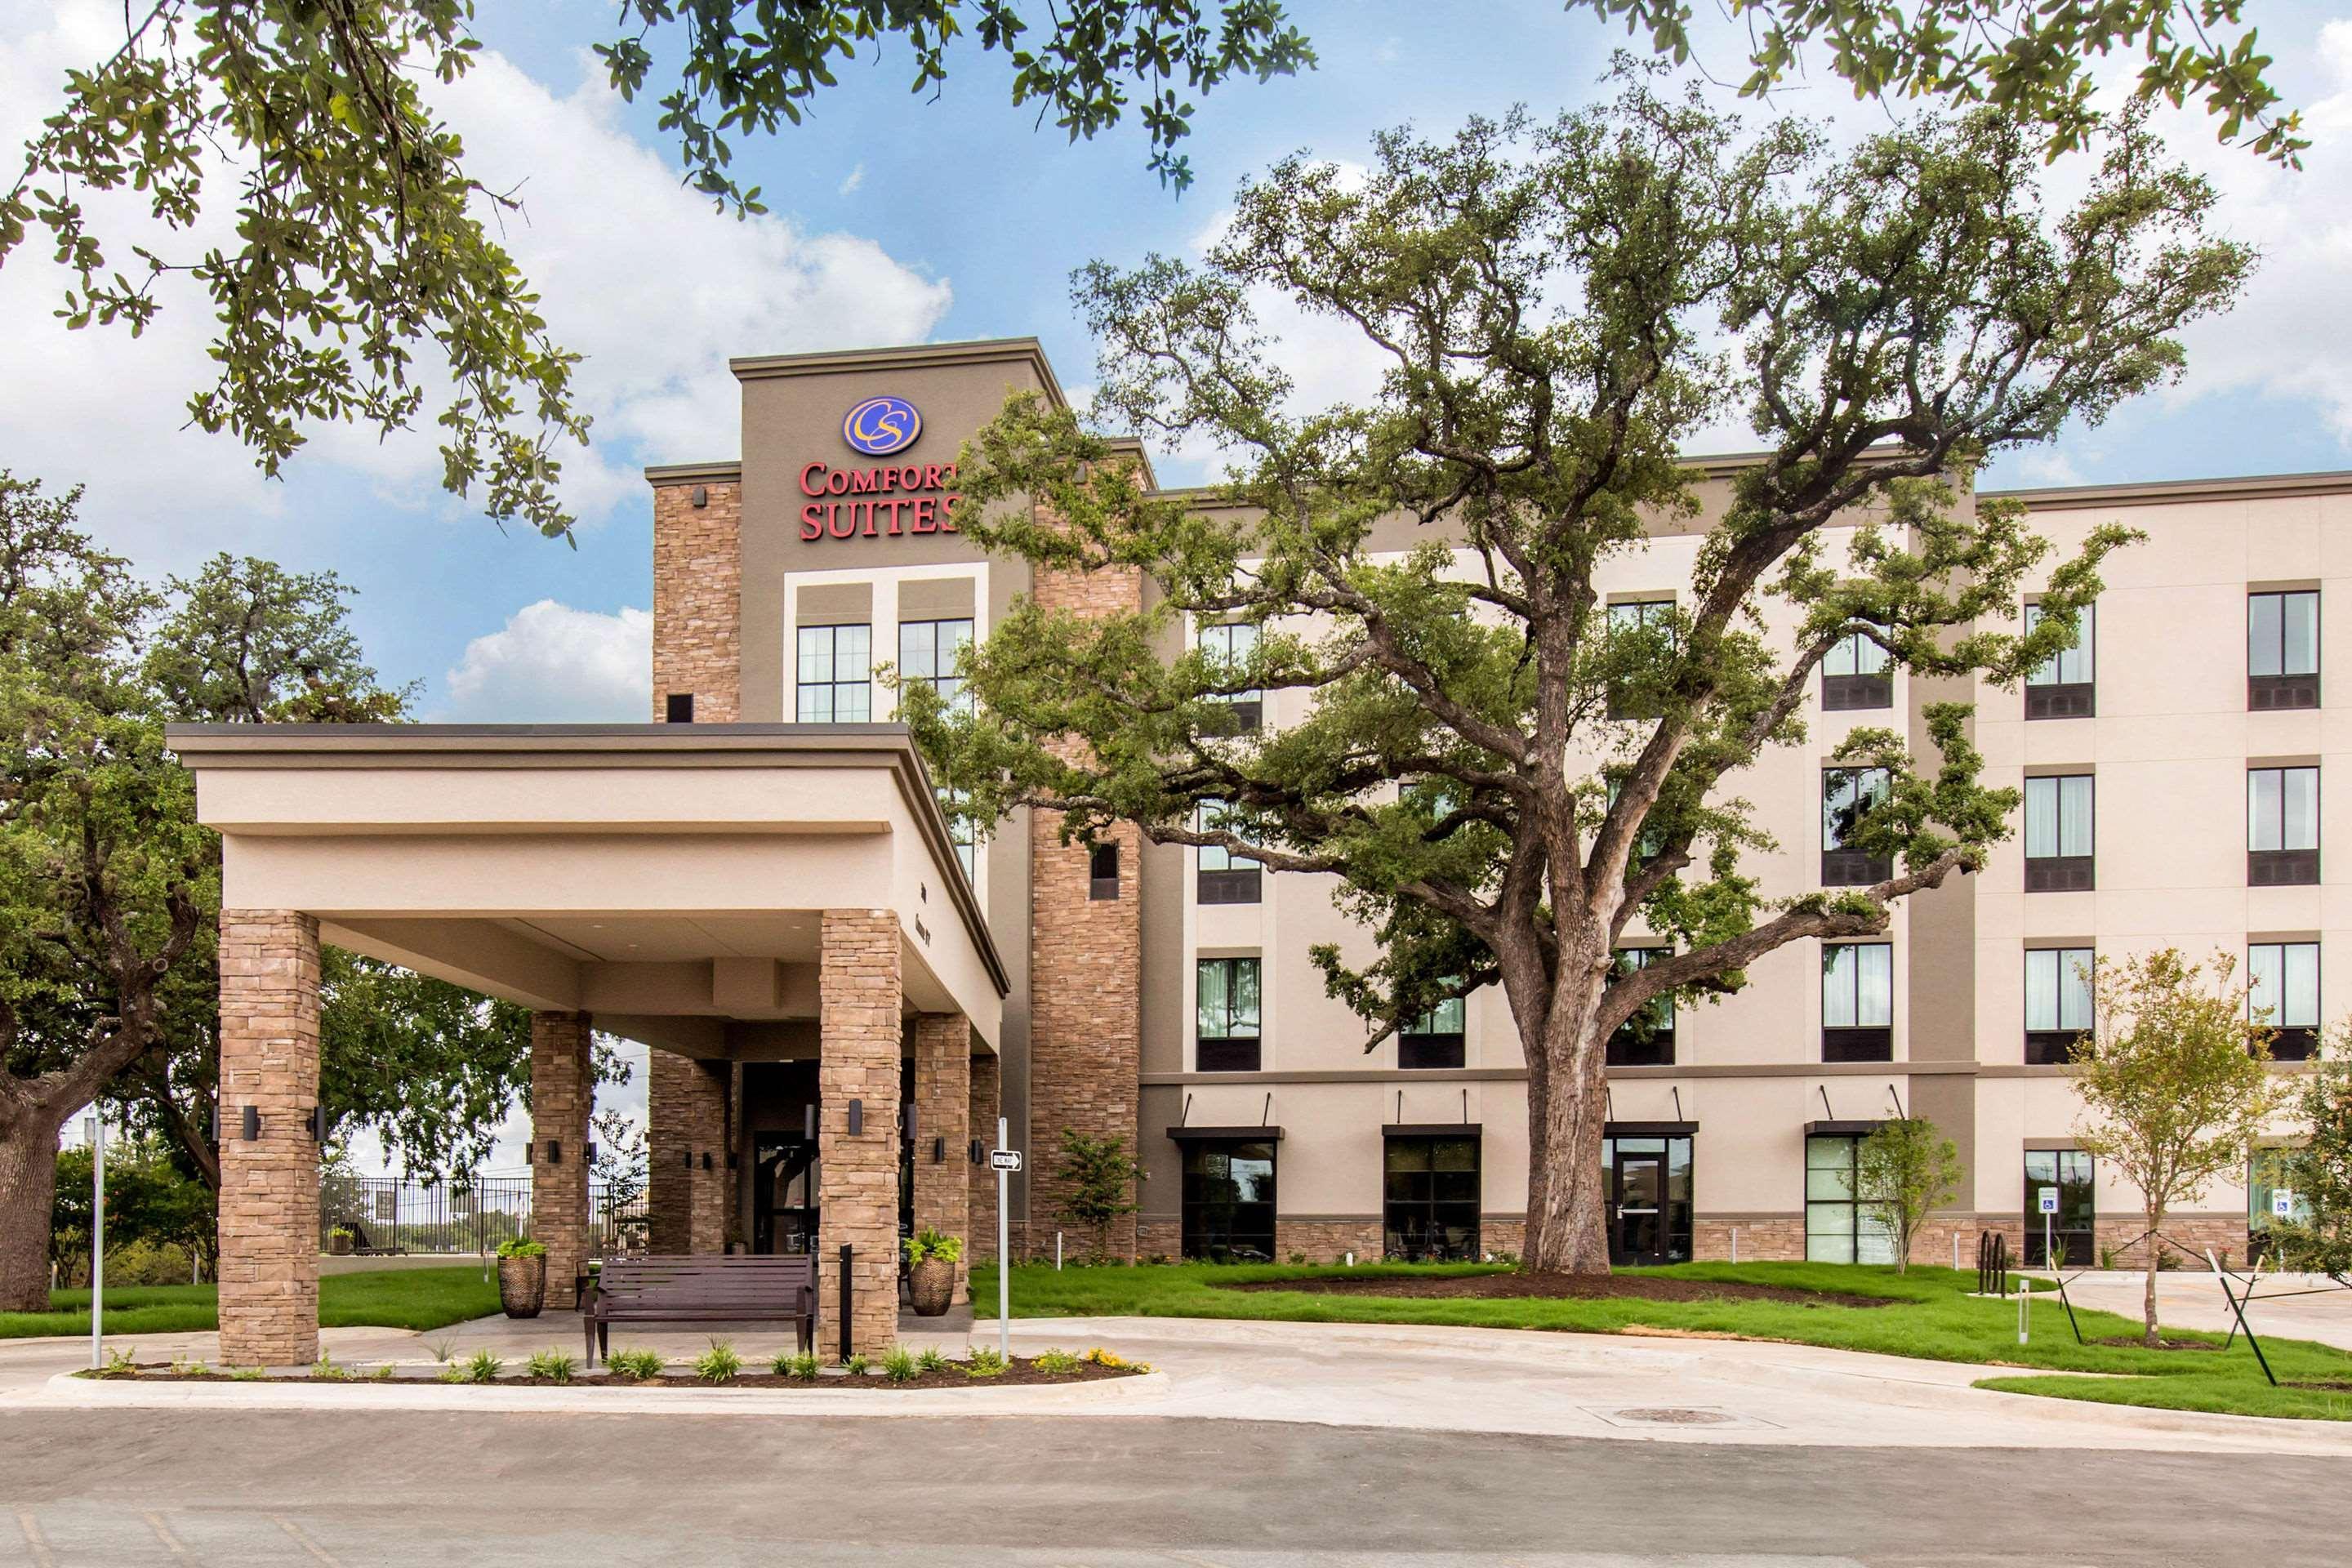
{"points": [[553, 664], [855, 178], [636, 272]]}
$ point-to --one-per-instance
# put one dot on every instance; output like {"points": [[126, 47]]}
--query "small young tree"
{"points": [[1101, 1177], [1901, 1171], [2174, 1081], [2320, 1173]]}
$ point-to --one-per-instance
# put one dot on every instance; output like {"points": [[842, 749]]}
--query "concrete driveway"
{"points": [[2289, 1306]]}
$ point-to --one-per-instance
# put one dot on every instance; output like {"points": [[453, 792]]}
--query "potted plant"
{"points": [[931, 1261], [522, 1277], [340, 1241]]}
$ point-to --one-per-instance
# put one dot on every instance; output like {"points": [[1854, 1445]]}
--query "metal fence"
{"points": [[454, 1217]]}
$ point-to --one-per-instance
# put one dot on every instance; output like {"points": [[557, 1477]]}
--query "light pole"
{"points": [[96, 1127]]}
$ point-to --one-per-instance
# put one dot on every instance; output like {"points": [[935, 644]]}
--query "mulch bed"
{"points": [[2134, 1342], [1019, 1373], [1558, 1286], [2323, 1385]]}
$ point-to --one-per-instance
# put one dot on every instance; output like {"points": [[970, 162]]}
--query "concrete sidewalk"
{"points": [[1624, 1387], [2193, 1301]]}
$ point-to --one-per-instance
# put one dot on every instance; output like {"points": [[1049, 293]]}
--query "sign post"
{"points": [[1006, 1161], [97, 1237]]}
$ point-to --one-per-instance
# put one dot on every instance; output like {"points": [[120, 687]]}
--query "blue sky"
{"points": [[897, 219]]}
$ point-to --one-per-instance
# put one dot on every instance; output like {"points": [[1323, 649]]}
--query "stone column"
{"points": [[982, 1248], [269, 1184], [686, 1154], [857, 1186], [942, 1113], [562, 1086]]}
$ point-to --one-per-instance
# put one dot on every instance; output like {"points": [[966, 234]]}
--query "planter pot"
{"points": [[930, 1287], [523, 1286], [340, 1246]]}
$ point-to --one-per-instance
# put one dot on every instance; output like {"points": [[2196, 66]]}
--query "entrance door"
{"points": [[2074, 1230], [1639, 1183], [784, 1193]]}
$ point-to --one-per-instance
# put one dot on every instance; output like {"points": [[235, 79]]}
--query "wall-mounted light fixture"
{"points": [[701, 495], [555, 1151], [857, 1116], [252, 1123], [907, 1119], [705, 1159], [808, 1123], [975, 1151], [318, 1122], [939, 1150]]}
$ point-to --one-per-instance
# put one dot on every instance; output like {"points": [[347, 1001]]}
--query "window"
{"points": [[1846, 793], [1232, 647], [2266, 1172], [1838, 1229], [1647, 1180], [928, 652], [1858, 1002], [1102, 872], [1228, 1201], [836, 677], [1226, 1011], [678, 708], [2282, 826], [1430, 1200], [1647, 1038], [1435, 1038], [2283, 650], [1855, 674], [2063, 688], [1650, 623], [2282, 993], [2057, 1002], [2058, 840], [1225, 878], [2074, 1229]]}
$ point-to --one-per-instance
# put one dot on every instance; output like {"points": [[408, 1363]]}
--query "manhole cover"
{"points": [[1667, 1417]]}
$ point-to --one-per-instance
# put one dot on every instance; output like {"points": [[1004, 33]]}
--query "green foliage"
{"points": [[327, 1370], [854, 1364], [119, 1364], [553, 1365], [2036, 60], [932, 1359], [983, 1362], [482, 1366], [2175, 1082], [635, 1365], [522, 1246], [2321, 1170], [151, 1204], [1426, 566], [1905, 1168], [1098, 1179], [928, 1244], [363, 267], [1058, 1361], [719, 1363], [800, 1366], [898, 1364], [255, 1374]]}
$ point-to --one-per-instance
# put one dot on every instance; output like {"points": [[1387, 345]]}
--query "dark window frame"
{"points": [[1210, 1224], [1674, 1227], [1843, 866], [833, 687], [1102, 873], [1230, 1051], [2077, 1231], [2284, 866], [1617, 707], [2062, 873], [1856, 1220], [2284, 689], [2054, 1047], [1429, 1213], [1854, 689], [1424, 1046], [2047, 696], [2292, 1039], [1220, 876], [1249, 707], [1629, 1045], [1861, 1040]]}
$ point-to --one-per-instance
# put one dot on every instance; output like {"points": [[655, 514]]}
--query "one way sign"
{"points": [[1005, 1159]]}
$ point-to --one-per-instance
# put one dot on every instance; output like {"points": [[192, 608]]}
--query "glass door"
{"points": [[2074, 1229], [1638, 1185], [784, 1193]]}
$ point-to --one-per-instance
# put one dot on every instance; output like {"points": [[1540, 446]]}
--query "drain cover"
{"points": [[1656, 1416]]}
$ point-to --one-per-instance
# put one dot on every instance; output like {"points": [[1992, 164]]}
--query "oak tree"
{"points": [[1558, 307]]}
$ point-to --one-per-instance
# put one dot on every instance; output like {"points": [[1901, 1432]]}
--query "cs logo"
{"points": [[881, 425]]}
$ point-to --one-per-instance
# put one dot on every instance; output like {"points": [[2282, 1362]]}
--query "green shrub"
{"points": [[635, 1366], [719, 1363], [117, 1364], [522, 1246], [382, 1373], [553, 1365], [248, 1375], [926, 1245], [324, 1370], [933, 1359], [800, 1366], [898, 1364], [985, 1362], [854, 1364], [1058, 1361], [190, 1369], [482, 1366], [441, 1350]]}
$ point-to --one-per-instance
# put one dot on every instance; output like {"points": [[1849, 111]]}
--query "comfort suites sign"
{"points": [[882, 501]]}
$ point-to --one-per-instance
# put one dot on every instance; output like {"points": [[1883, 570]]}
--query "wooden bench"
{"points": [[705, 1289]]}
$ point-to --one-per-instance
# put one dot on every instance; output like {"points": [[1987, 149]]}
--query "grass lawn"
{"points": [[1930, 1315], [383, 1299]]}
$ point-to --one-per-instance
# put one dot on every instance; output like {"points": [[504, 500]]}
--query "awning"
{"points": [[1226, 1134], [1651, 1129], [1843, 1129], [1429, 1129]]}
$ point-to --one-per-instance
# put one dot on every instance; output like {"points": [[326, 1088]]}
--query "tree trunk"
{"points": [[28, 1191], [1567, 1097], [2154, 1217]]}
